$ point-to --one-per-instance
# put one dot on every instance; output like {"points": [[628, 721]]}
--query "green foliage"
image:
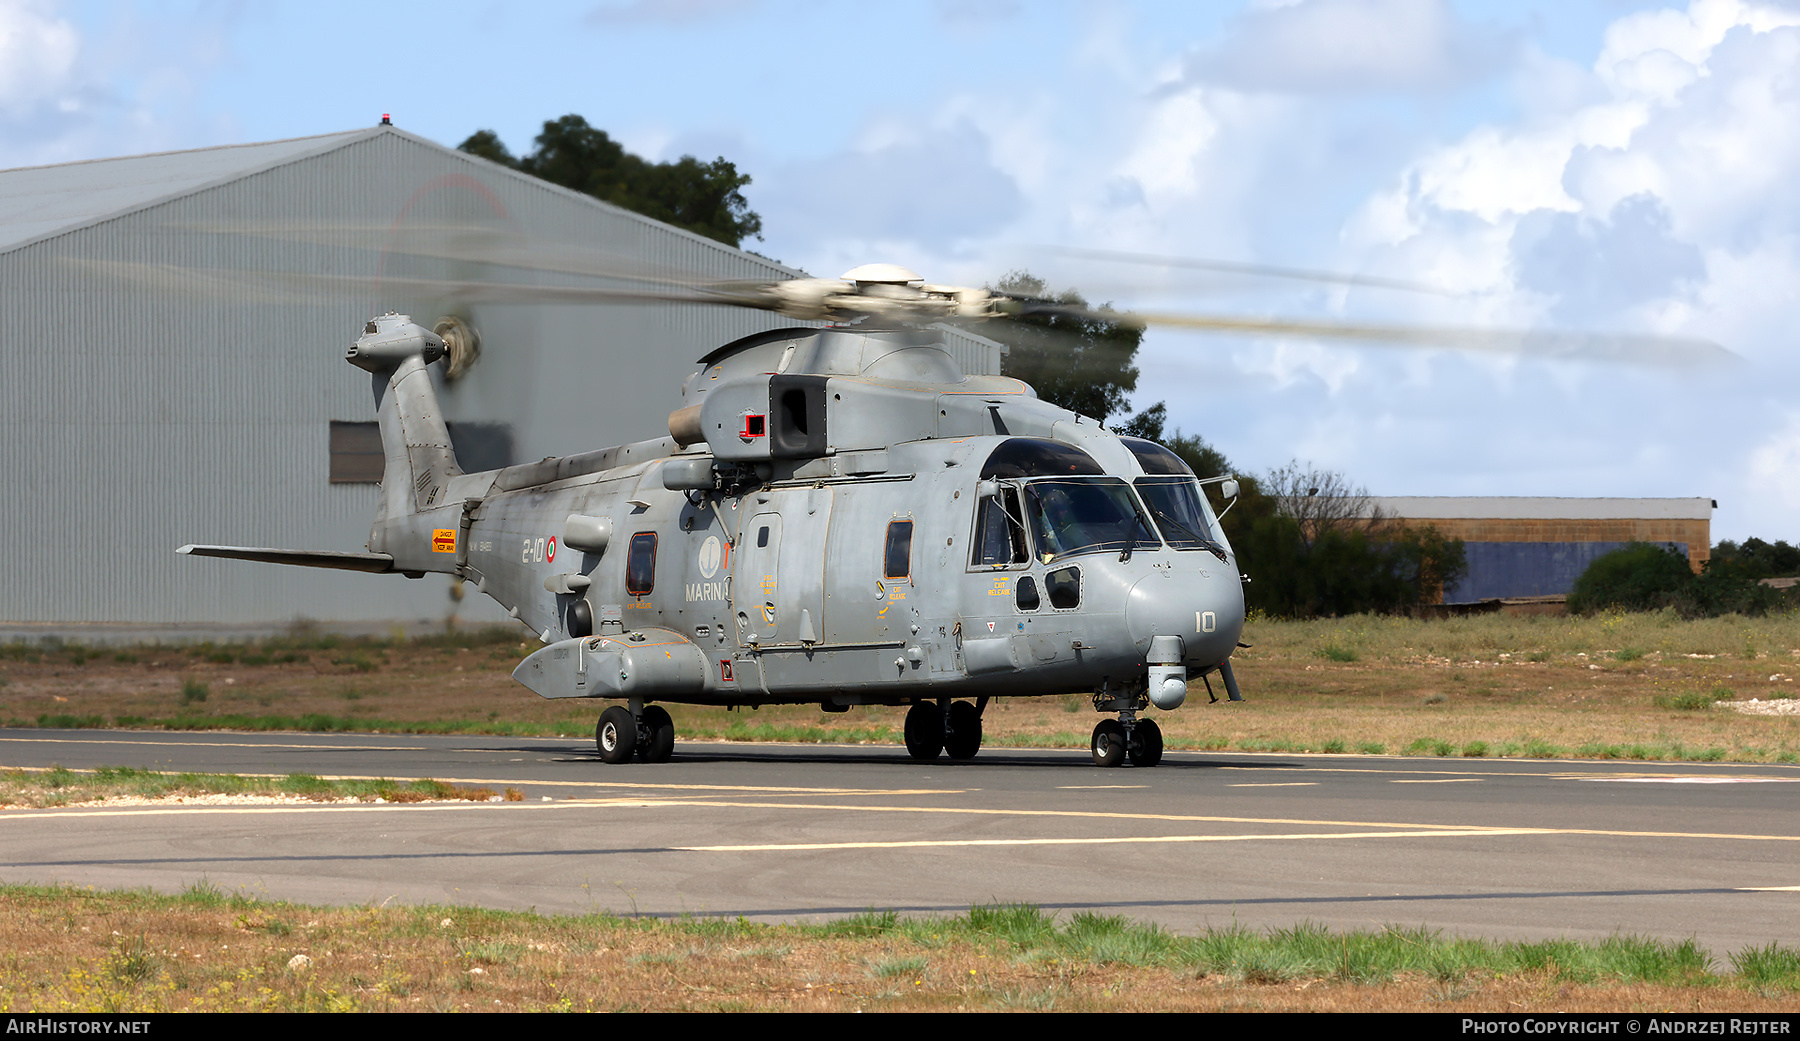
{"points": [[1344, 571], [1082, 364], [1757, 559], [1649, 577], [193, 692], [704, 198], [1638, 577], [1341, 570]]}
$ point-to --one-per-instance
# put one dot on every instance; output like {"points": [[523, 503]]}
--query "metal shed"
{"points": [[1527, 546], [172, 330]]}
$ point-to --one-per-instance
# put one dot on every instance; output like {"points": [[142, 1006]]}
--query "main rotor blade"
{"points": [[1232, 267], [472, 244], [1626, 348]]}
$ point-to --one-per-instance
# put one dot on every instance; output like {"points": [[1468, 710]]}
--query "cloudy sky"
{"points": [[1600, 165]]}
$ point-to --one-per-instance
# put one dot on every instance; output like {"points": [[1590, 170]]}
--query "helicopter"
{"points": [[836, 515]]}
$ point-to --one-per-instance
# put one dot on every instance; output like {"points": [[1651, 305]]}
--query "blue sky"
{"points": [[1578, 165]]}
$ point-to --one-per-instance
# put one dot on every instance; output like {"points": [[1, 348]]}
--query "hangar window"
{"points": [[356, 456]]}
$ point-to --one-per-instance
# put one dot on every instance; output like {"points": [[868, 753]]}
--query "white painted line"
{"points": [[1679, 779]]}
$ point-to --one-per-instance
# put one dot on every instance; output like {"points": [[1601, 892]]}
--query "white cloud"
{"points": [[1774, 469], [37, 58], [1352, 45]]}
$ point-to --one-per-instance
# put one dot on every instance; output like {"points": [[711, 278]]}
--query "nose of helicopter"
{"points": [[1205, 607]]}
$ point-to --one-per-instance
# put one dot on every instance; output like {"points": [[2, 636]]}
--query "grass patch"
{"points": [[206, 949], [58, 786]]}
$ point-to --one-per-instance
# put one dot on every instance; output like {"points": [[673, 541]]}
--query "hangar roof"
{"points": [[1506, 507], [37, 202]]}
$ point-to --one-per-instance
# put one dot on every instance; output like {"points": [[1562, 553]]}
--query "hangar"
{"points": [[1529, 547], [172, 330]]}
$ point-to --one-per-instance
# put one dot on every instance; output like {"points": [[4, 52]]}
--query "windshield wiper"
{"points": [[1205, 543]]}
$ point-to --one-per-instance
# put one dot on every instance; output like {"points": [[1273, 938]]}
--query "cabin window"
{"points": [[1064, 586], [762, 537], [897, 560], [999, 532], [1027, 596], [640, 564]]}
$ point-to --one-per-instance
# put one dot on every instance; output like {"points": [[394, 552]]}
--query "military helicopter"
{"points": [[837, 515]]}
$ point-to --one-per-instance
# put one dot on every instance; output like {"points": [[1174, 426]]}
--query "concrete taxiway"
{"points": [[1495, 848]]}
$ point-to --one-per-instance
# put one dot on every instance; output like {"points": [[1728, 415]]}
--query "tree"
{"points": [[1305, 558], [1321, 501], [1639, 577], [1082, 364], [705, 198]]}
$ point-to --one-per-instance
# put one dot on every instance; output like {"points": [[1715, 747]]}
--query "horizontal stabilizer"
{"points": [[374, 563]]}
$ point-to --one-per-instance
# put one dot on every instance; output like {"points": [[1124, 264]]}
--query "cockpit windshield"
{"points": [[1174, 503], [1085, 515]]}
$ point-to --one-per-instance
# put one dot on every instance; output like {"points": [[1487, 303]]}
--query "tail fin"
{"points": [[414, 439]]}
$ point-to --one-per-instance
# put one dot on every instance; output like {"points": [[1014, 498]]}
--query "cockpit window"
{"points": [[1155, 459], [1174, 504], [1085, 515], [1000, 531], [1037, 457]]}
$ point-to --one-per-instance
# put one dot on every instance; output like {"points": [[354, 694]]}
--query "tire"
{"points": [[1146, 743], [964, 738], [924, 731], [1108, 743], [616, 735], [661, 744]]}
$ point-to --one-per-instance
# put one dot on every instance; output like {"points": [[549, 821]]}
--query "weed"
{"points": [[912, 967], [193, 691]]}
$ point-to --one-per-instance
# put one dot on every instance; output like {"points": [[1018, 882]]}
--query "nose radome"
{"points": [[1207, 614]]}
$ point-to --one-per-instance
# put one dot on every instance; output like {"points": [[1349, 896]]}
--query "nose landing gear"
{"points": [[1128, 737]]}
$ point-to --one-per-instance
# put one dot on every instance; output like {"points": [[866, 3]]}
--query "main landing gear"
{"points": [[1128, 737], [644, 731], [946, 726]]}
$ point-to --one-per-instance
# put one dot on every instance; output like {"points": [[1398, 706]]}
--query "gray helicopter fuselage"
{"points": [[839, 516], [849, 576]]}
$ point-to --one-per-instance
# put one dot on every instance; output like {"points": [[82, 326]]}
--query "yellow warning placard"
{"points": [[443, 540]]}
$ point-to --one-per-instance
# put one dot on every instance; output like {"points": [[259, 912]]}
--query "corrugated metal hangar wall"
{"points": [[172, 331]]}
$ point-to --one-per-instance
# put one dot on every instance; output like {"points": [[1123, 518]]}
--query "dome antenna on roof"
{"points": [[385, 121]]}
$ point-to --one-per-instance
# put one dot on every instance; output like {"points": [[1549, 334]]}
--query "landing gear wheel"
{"points": [[1146, 743], [924, 731], [1108, 743], [964, 738], [661, 743], [616, 736]]}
